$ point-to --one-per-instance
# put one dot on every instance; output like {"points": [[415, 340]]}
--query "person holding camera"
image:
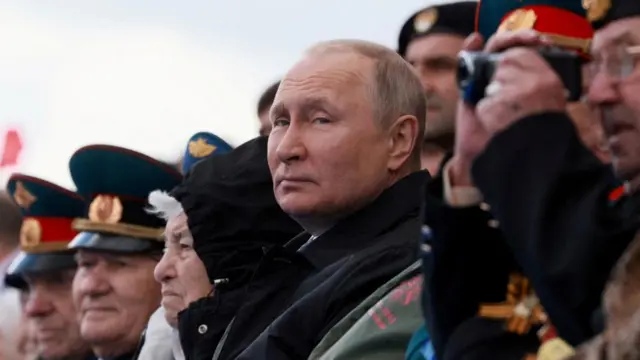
{"points": [[463, 273], [548, 192]]}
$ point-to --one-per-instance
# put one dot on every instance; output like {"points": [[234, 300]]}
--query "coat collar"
{"points": [[358, 231]]}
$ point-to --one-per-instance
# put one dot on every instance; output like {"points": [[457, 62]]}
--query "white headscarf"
{"points": [[162, 342]]}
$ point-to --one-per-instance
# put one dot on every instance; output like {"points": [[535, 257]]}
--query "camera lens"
{"points": [[465, 69], [463, 72]]}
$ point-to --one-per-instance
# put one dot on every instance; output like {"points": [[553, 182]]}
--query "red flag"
{"points": [[12, 148]]}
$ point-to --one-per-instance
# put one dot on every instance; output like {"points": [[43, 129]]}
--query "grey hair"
{"points": [[164, 205]]}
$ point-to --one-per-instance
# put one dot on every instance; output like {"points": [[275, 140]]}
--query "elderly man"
{"points": [[45, 268], [548, 192], [119, 246], [430, 41], [344, 154]]}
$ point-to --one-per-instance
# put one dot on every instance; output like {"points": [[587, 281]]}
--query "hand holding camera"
{"points": [[522, 83]]}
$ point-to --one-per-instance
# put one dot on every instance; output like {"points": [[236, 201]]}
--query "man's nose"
{"points": [[602, 90], [37, 304], [93, 282], [291, 144], [165, 269]]}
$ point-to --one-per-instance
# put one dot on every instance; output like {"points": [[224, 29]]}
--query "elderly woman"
{"points": [[220, 222]]}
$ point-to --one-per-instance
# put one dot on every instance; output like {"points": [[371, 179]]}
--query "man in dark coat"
{"points": [[344, 154]]}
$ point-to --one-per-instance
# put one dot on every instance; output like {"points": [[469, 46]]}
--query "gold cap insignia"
{"points": [[596, 9], [518, 20], [105, 209], [23, 197], [30, 233], [425, 20], [200, 148]]}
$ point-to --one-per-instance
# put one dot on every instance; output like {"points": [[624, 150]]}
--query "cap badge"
{"points": [[105, 209], [200, 148], [22, 196], [596, 9], [30, 233], [425, 20], [518, 20]]}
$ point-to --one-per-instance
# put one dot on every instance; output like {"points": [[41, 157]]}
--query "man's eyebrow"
{"points": [[621, 38], [307, 104], [277, 109]]}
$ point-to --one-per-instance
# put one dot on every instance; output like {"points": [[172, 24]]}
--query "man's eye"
{"points": [[321, 120], [85, 263], [281, 122]]}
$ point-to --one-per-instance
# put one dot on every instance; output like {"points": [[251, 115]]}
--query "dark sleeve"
{"points": [[549, 193], [295, 333], [469, 264]]}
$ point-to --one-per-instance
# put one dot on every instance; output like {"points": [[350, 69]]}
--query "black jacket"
{"points": [[299, 292], [550, 195], [350, 262]]}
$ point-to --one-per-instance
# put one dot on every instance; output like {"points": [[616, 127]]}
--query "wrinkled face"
{"points": [[615, 89], [51, 315], [435, 57], [326, 152], [115, 295], [180, 271]]}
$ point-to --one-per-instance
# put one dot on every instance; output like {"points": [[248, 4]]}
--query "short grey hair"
{"points": [[164, 205], [396, 88]]}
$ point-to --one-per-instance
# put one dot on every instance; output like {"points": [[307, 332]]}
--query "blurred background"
{"points": [[147, 74]]}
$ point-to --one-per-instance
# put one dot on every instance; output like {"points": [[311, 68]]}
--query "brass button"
{"points": [[484, 206], [202, 329], [494, 223]]}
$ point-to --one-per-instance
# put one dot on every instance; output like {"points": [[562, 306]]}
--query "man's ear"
{"points": [[403, 138]]}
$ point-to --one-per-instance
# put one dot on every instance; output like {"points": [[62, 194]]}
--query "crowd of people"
{"points": [[397, 204]]}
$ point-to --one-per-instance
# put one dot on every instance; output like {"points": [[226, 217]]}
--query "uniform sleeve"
{"points": [[549, 194], [468, 264]]}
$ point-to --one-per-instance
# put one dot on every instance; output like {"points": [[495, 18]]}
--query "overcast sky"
{"points": [[146, 74]]}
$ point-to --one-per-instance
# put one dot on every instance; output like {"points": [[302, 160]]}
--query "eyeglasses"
{"points": [[617, 62]]}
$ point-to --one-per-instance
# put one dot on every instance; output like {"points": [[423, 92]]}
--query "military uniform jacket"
{"points": [[300, 292], [466, 263], [550, 195]]}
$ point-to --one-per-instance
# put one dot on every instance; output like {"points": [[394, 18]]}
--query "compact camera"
{"points": [[475, 71]]}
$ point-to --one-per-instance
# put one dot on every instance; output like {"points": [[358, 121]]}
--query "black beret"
{"points": [[232, 211], [455, 18], [602, 12]]}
